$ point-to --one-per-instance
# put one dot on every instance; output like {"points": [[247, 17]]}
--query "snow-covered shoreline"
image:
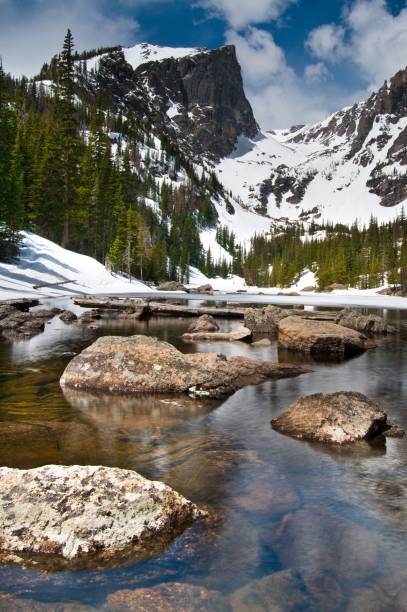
{"points": [[42, 261]]}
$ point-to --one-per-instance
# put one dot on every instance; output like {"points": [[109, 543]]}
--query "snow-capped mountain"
{"points": [[349, 167]]}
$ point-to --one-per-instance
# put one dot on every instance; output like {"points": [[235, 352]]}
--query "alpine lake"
{"points": [[296, 525]]}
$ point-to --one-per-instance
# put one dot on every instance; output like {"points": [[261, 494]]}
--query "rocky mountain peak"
{"points": [[195, 96]]}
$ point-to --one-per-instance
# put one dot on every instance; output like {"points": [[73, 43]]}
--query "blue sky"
{"points": [[301, 59]]}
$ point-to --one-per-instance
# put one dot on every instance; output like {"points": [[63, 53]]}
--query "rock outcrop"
{"points": [[141, 364], [80, 514], [67, 316], [336, 418], [320, 338]]}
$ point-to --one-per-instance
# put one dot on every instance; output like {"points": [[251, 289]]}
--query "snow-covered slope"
{"points": [[349, 167], [42, 261], [144, 52]]}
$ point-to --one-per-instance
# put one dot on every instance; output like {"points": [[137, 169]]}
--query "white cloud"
{"points": [[241, 14], [327, 42], [278, 96], [316, 73], [371, 38], [29, 38]]}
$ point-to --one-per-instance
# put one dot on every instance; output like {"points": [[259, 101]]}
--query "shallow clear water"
{"points": [[338, 517]]}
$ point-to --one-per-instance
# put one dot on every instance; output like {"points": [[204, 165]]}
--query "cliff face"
{"points": [[197, 99]]}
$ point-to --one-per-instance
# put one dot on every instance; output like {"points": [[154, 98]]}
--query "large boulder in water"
{"points": [[141, 364], [320, 338], [83, 513], [264, 320], [338, 418], [370, 323]]}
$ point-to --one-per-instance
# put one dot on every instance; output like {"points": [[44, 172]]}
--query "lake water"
{"points": [[337, 517]]}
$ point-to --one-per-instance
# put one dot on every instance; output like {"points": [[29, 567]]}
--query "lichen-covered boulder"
{"points": [[337, 418], [141, 364], [317, 337], [82, 513]]}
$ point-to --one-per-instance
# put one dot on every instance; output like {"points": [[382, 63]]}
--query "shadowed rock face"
{"points": [[82, 513], [207, 88], [141, 364], [333, 417], [321, 338]]}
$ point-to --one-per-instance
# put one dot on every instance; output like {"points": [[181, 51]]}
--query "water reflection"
{"points": [[336, 516]]}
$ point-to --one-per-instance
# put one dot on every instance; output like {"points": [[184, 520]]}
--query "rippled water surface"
{"points": [[336, 516]]}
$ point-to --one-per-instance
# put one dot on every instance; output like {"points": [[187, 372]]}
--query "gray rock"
{"points": [[279, 592], [371, 324], [141, 364], [205, 323], [333, 417], [81, 513], [68, 316], [171, 286], [321, 338], [236, 335], [264, 320]]}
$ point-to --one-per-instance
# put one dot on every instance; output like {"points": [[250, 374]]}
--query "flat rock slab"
{"points": [[83, 513], [233, 336], [321, 338], [141, 364], [336, 418]]}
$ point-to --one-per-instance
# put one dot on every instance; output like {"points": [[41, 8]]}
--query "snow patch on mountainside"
{"points": [[42, 261], [144, 52]]}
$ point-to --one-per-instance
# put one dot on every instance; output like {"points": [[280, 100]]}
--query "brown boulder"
{"points": [[169, 597], [333, 417], [205, 323], [320, 338], [141, 364]]}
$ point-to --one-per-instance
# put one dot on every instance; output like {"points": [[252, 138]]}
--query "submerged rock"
{"points": [[279, 592], [233, 336], [82, 513], [370, 323], [141, 364], [205, 323], [333, 417], [317, 337], [169, 597]]}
